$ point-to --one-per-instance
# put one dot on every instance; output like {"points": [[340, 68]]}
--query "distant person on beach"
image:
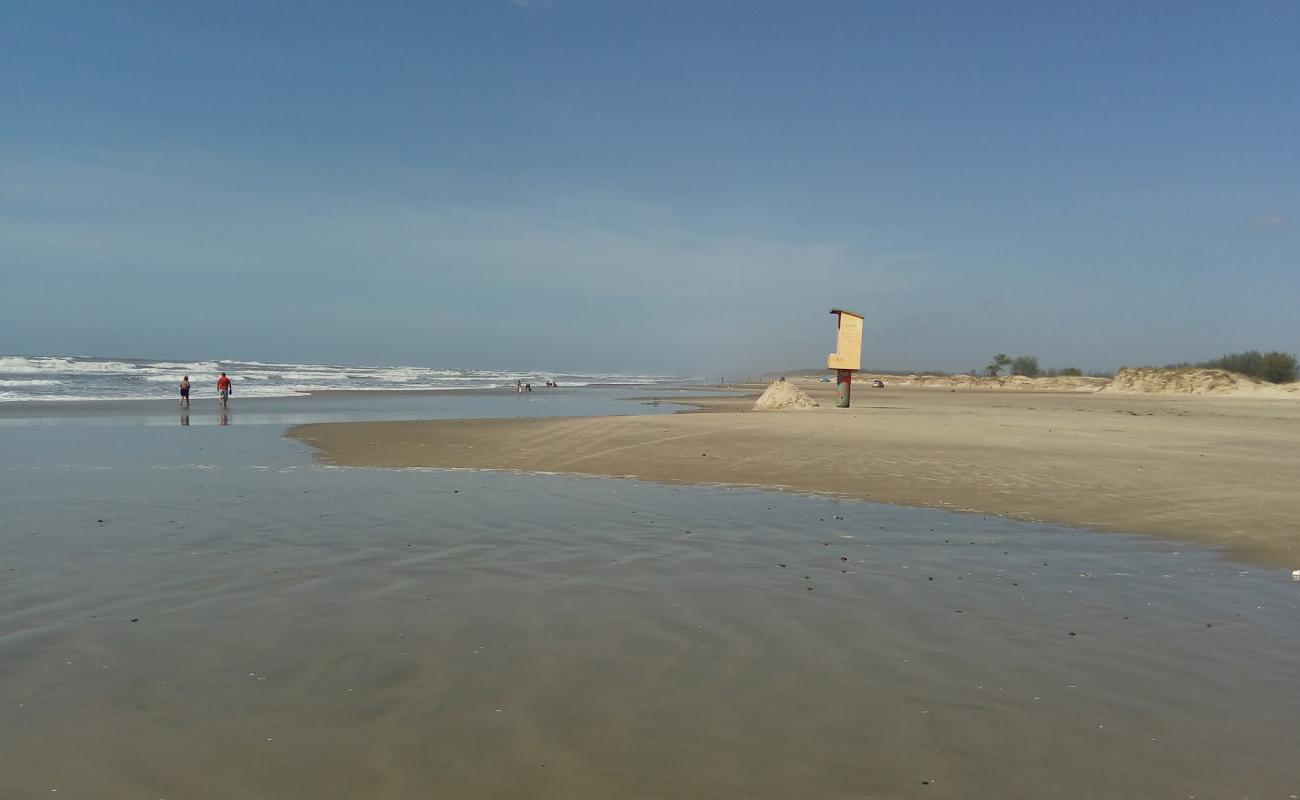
{"points": [[519, 387], [528, 386], [185, 392], [223, 389]]}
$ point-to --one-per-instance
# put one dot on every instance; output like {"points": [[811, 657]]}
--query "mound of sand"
{"points": [[1150, 380], [783, 394]]}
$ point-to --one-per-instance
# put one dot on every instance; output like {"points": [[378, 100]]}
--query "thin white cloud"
{"points": [[599, 243], [1270, 222], [682, 291]]}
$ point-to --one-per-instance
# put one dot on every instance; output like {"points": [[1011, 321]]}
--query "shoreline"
{"points": [[82, 406], [1217, 472]]}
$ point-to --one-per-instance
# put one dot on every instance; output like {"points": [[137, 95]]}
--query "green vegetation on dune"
{"points": [[1274, 367], [1027, 366]]}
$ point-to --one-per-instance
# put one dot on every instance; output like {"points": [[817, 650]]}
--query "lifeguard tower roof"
{"points": [[846, 311]]}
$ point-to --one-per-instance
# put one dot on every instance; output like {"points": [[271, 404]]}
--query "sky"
{"points": [[678, 187]]}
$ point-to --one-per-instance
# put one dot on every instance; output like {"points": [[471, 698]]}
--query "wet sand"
{"points": [[203, 612], [303, 632], [1217, 471]]}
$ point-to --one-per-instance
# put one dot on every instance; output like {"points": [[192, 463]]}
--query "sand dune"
{"points": [[1129, 380], [1055, 384], [1148, 380]]}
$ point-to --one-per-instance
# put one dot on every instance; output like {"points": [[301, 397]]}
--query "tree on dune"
{"points": [[995, 368], [1026, 366]]}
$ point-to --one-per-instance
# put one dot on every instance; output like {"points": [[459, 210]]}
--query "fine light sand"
{"points": [[783, 395], [1223, 471]]}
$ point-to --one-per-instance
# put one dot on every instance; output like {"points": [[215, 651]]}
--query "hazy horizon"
{"points": [[681, 188]]}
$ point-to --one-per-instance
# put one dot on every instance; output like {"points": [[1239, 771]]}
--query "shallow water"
{"points": [[346, 406], [236, 622]]}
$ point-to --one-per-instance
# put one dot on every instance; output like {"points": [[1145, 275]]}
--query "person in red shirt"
{"points": [[223, 388]]}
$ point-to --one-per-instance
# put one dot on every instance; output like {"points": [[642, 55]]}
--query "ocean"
{"points": [[191, 609], [38, 378]]}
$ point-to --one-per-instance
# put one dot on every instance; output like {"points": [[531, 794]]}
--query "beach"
{"points": [[439, 400], [1219, 471], [192, 608]]}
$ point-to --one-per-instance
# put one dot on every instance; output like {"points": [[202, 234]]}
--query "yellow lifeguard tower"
{"points": [[848, 354]]}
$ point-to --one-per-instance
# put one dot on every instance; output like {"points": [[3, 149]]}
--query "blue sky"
{"points": [[679, 187]]}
